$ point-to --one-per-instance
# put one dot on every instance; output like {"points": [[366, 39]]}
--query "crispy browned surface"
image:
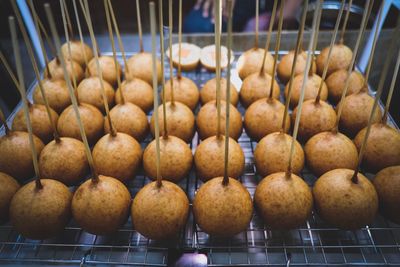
{"points": [[356, 111], [209, 158], [345, 204], [107, 66], [264, 117], [160, 212], [283, 203], [41, 213], [117, 156], [209, 90], [90, 92], [251, 60], [387, 185], [315, 118], [79, 51], [383, 147], [311, 91], [286, 63], [92, 121], [8, 187], [257, 86], [328, 151], [176, 159], [65, 161], [57, 71], [41, 125], [180, 121], [207, 116], [16, 159], [137, 92], [222, 210], [272, 154], [336, 83], [185, 91], [103, 207], [340, 58], [140, 66], [56, 93], [130, 119]]}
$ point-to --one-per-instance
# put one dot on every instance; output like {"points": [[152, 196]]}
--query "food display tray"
{"points": [[315, 243]]}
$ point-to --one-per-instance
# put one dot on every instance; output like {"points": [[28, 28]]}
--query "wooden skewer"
{"points": [[277, 45], [296, 53], [35, 67], [88, 20], [391, 90], [154, 65], [346, 18], [139, 22], [271, 25], [368, 6], [225, 181], [21, 87], [160, 18], [257, 23], [116, 28], [2, 117], [111, 36], [180, 40], [78, 23], [171, 65], [313, 41], [49, 14], [382, 79], [310, 73], [218, 63], [325, 71]]}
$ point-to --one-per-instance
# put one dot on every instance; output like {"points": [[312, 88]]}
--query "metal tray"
{"points": [[315, 243]]}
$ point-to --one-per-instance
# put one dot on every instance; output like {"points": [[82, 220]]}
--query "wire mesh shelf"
{"points": [[315, 243]]}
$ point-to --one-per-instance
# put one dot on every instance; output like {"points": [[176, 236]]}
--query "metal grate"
{"points": [[315, 243]]}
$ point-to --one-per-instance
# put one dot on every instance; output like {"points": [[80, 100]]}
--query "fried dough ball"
{"points": [[185, 91], [343, 203], [8, 187], [382, 149], [264, 117], [107, 66], [140, 66], [257, 86], [101, 207], [92, 121], [90, 92], [79, 51], [387, 185], [207, 117], [222, 210], [160, 212], [176, 159], [180, 121], [56, 92], [272, 154], [64, 161], [57, 71], [41, 213], [16, 159], [284, 202], [286, 63], [130, 119], [137, 92], [327, 151], [251, 60], [209, 91], [340, 58], [336, 83], [209, 158], [311, 90], [41, 125]]}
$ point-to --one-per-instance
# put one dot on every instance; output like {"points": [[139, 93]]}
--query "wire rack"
{"points": [[315, 243]]}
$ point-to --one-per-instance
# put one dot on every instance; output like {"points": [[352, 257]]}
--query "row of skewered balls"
{"points": [[65, 160]]}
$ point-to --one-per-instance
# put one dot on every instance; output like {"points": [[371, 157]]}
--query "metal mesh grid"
{"points": [[315, 243]]}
